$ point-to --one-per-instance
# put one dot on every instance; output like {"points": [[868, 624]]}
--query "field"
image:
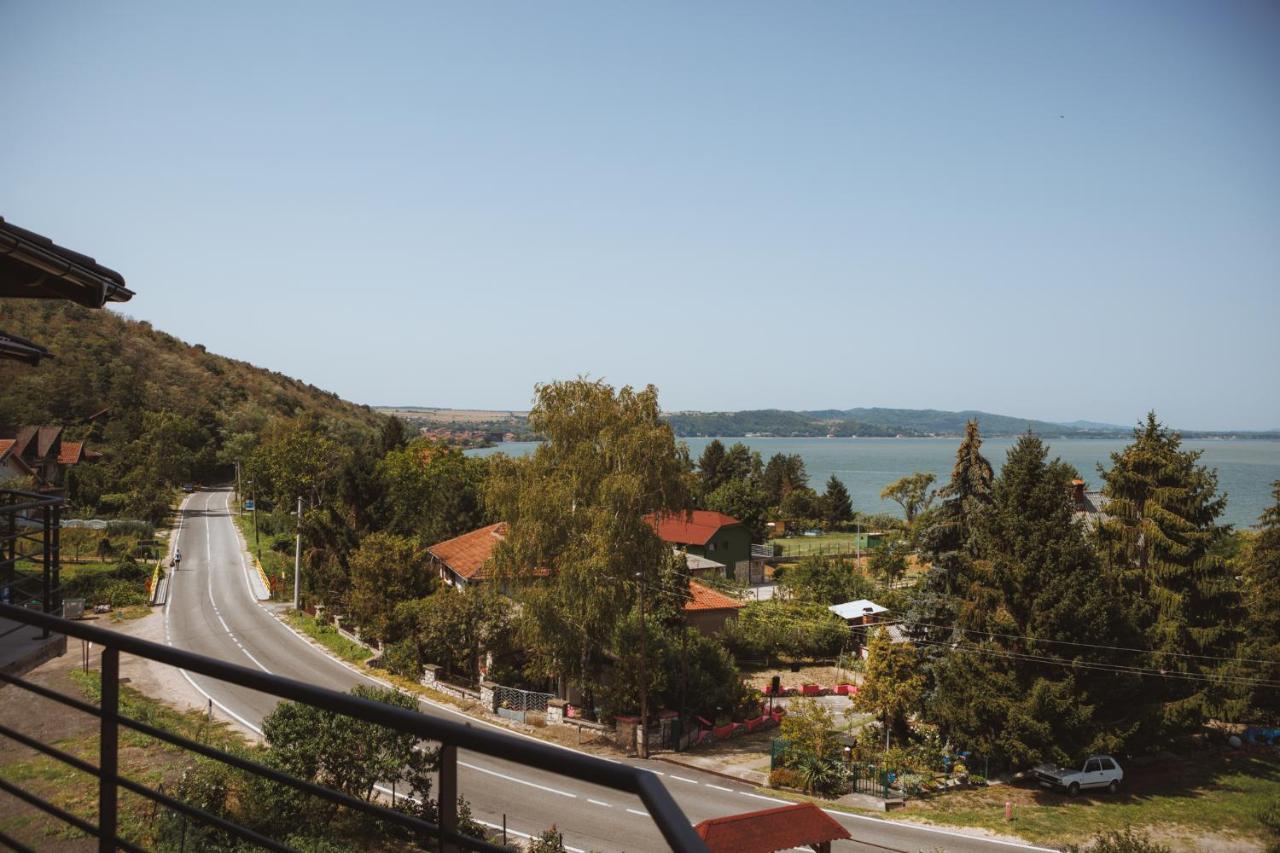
{"points": [[1210, 801]]}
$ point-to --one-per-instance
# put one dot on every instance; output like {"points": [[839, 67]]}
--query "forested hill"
{"points": [[173, 410], [863, 422]]}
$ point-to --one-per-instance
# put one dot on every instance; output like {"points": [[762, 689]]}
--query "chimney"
{"points": [[1077, 491]]}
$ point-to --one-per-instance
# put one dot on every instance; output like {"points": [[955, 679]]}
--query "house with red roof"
{"points": [[708, 610], [705, 533], [786, 827], [464, 559], [41, 454]]}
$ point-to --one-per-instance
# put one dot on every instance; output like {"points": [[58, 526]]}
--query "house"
{"points": [[40, 453], [700, 566], [1089, 507], [708, 610], [782, 828], [464, 559], [704, 533], [13, 470]]}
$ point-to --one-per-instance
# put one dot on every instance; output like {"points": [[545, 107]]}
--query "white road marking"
{"points": [[766, 799], [683, 779], [518, 781], [637, 811], [719, 788], [598, 803]]}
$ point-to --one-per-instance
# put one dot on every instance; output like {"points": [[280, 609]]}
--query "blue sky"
{"points": [[1057, 211]]}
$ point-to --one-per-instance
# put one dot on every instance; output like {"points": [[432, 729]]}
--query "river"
{"points": [[1246, 468]]}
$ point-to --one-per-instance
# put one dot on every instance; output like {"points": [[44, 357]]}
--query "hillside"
{"points": [[173, 411], [860, 422]]}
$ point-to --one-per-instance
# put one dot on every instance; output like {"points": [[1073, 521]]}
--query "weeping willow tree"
{"points": [[578, 547], [1159, 534]]}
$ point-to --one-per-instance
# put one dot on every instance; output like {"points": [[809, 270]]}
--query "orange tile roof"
{"points": [[689, 528], [768, 830], [706, 598], [5, 445], [70, 452], [467, 554]]}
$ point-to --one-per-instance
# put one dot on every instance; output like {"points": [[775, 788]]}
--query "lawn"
{"points": [[1217, 796], [328, 636]]}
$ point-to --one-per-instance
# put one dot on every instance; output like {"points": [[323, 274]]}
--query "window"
{"points": [[1107, 764], [1092, 766]]}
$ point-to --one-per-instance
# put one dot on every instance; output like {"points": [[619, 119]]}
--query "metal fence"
{"points": [[30, 550], [514, 703], [451, 736]]}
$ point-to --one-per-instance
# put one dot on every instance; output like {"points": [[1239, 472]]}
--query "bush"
{"points": [[785, 777], [121, 593], [402, 659], [1120, 841]]}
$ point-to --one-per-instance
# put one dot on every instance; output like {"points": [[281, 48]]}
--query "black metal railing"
{"points": [[451, 736], [30, 547]]}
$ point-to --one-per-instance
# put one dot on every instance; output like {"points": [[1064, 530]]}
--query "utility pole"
{"points": [[297, 559], [642, 738], [239, 508]]}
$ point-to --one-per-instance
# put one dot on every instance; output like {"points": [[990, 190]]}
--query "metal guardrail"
{"points": [[30, 538], [451, 736]]}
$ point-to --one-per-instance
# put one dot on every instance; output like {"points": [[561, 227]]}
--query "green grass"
{"points": [[827, 543], [278, 566], [1215, 794], [328, 636]]}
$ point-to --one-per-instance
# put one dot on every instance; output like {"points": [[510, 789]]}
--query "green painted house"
{"points": [[708, 534]]}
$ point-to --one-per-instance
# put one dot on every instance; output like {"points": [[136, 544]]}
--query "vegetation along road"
{"points": [[213, 610]]}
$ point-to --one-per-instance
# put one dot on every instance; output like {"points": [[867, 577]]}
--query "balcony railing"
{"points": [[451, 736], [30, 525]]}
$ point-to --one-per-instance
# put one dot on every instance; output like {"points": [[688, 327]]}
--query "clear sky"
{"points": [[1057, 211]]}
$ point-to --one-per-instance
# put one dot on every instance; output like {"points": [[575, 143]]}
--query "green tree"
{"points": [[386, 570], [712, 471], [837, 506], [948, 541], [784, 473], [1260, 565], [826, 580], [888, 562], [746, 501], [892, 685], [576, 508], [911, 493], [809, 729], [456, 628], [431, 491], [801, 503], [1159, 534], [800, 630], [345, 753], [294, 459]]}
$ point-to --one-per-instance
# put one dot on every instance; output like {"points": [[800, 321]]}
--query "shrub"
{"points": [[785, 777], [402, 659], [1120, 841]]}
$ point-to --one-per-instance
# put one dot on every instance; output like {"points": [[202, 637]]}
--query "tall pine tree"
{"points": [[1159, 534], [1261, 572]]}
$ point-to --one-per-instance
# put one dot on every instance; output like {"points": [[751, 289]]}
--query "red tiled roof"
{"points": [[689, 528], [70, 452], [706, 598], [5, 445], [467, 554], [768, 830]]}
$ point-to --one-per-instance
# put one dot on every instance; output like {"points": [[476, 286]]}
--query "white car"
{"points": [[1097, 771]]}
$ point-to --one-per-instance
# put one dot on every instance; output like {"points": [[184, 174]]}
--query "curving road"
{"points": [[212, 610]]}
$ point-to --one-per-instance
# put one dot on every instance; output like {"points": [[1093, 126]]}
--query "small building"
{"points": [[707, 610], [464, 559], [1089, 507], [859, 613], [781, 828], [704, 533], [699, 566]]}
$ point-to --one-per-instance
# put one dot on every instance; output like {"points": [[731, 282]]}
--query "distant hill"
{"points": [[103, 360], [864, 422]]}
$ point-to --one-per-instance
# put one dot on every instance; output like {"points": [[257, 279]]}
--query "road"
{"points": [[211, 609]]}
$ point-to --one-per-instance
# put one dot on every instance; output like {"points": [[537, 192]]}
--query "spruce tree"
{"points": [[1261, 570], [1159, 534], [948, 543], [837, 506], [712, 473]]}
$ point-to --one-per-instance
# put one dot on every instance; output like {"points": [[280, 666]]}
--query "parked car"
{"points": [[1096, 771]]}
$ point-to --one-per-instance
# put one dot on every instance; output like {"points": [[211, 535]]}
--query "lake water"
{"points": [[1246, 469]]}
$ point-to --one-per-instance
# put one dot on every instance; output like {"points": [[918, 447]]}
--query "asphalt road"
{"points": [[212, 610]]}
